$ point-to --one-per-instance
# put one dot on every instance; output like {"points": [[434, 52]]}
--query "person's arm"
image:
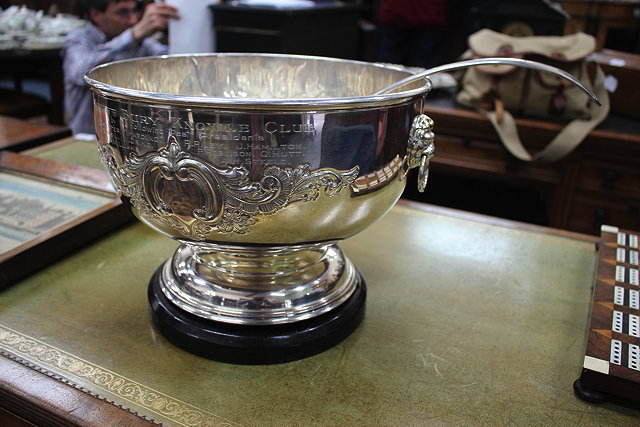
{"points": [[152, 47], [155, 18], [82, 54]]}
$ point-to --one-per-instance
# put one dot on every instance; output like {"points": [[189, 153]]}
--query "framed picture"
{"points": [[48, 209]]}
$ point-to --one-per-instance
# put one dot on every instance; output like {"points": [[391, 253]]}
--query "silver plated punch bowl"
{"points": [[258, 165]]}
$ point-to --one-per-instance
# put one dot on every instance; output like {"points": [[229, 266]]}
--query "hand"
{"points": [[155, 18]]}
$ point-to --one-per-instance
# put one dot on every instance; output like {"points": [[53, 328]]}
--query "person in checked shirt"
{"points": [[116, 31]]}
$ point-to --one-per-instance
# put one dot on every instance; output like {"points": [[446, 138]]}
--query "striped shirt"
{"points": [[86, 48]]}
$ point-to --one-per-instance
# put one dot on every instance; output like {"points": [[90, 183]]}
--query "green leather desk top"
{"points": [[69, 150], [468, 322]]}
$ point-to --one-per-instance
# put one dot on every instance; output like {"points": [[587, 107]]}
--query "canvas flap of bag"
{"points": [[526, 92]]}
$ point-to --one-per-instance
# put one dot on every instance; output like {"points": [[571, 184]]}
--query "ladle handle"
{"points": [[524, 63]]}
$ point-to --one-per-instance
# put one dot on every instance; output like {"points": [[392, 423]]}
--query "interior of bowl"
{"points": [[251, 76]]}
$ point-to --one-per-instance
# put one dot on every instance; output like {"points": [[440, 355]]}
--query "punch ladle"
{"points": [[524, 63]]}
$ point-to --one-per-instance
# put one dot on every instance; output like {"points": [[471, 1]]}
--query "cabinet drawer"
{"points": [[610, 177], [490, 159], [590, 210]]}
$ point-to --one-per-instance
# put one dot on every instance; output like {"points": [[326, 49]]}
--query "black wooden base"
{"points": [[257, 345]]}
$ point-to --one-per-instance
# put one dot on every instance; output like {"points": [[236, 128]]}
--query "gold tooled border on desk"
{"points": [[118, 390]]}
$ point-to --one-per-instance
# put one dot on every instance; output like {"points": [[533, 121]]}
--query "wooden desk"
{"points": [[18, 135], [463, 326], [596, 184], [28, 397]]}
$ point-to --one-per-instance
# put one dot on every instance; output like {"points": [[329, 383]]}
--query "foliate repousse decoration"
{"points": [[174, 187]]}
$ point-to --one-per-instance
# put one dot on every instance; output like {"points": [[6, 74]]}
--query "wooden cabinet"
{"points": [[597, 183], [607, 188], [614, 23], [326, 29]]}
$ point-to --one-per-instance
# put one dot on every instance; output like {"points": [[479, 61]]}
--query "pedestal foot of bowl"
{"points": [[255, 344]]}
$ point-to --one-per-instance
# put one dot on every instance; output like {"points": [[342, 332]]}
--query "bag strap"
{"points": [[569, 137]]}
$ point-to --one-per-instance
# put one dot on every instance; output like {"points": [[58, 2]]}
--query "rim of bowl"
{"points": [[196, 100]]}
